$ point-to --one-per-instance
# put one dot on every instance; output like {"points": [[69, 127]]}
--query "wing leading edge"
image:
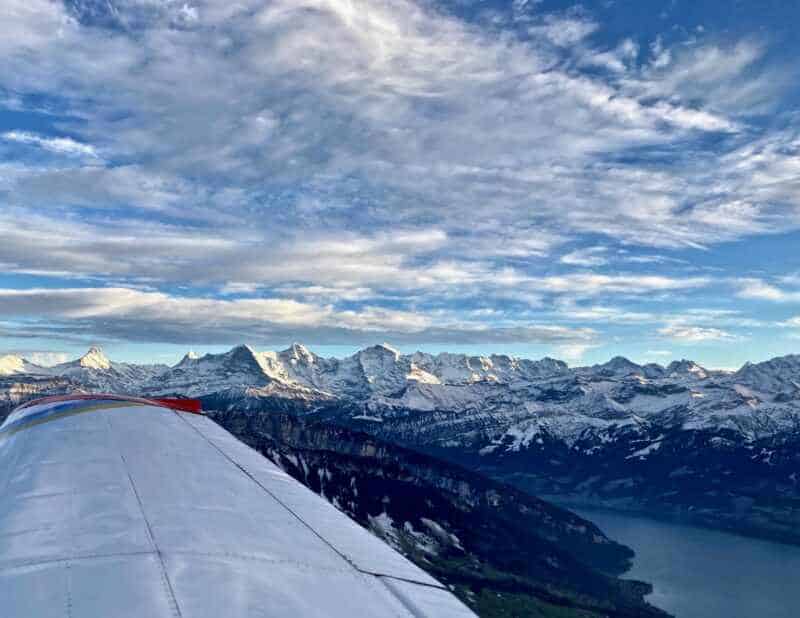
{"points": [[120, 507]]}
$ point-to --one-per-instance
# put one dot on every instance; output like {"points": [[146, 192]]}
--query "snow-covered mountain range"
{"points": [[93, 370], [470, 531], [720, 447], [500, 402]]}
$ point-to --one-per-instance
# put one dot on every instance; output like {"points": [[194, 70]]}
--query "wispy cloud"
{"points": [[58, 145], [759, 289], [695, 334], [135, 315], [564, 30], [590, 256], [573, 353], [589, 284]]}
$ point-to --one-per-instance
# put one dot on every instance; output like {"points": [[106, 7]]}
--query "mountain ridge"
{"points": [[618, 434], [96, 358]]}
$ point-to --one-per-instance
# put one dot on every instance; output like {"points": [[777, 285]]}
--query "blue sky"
{"points": [[531, 177]]}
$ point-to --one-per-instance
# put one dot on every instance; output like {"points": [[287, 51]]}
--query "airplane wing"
{"points": [[115, 507]]}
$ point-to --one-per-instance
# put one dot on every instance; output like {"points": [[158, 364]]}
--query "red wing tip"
{"points": [[194, 406]]}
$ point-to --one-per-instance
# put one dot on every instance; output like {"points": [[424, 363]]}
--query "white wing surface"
{"points": [[118, 507]]}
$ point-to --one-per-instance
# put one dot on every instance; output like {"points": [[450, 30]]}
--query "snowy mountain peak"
{"points": [[778, 374], [188, 358], [619, 365], [244, 355], [389, 348], [547, 366], [299, 352], [684, 367], [94, 359], [383, 349], [11, 364], [243, 349], [553, 362]]}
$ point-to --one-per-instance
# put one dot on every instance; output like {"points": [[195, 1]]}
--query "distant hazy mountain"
{"points": [[720, 448]]}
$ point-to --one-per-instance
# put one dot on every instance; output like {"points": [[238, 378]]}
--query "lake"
{"points": [[699, 573]]}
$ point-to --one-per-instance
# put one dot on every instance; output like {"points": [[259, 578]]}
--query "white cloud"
{"points": [[661, 55], [58, 145], [695, 334], [131, 314], [102, 187], [573, 353], [761, 290], [599, 313], [618, 60], [590, 256], [720, 75], [188, 13], [589, 284], [564, 30]]}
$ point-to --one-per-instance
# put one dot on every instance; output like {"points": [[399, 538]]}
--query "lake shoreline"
{"points": [[683, 518], [697, 572]]}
